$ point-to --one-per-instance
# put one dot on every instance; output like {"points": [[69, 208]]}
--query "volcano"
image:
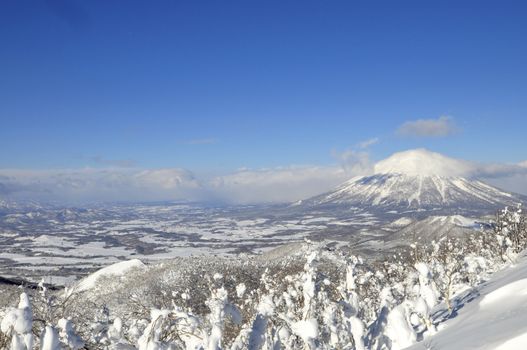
{"points": [[417, 180]]}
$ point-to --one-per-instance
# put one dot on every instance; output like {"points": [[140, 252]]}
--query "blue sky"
{"points": [[213, 86]]}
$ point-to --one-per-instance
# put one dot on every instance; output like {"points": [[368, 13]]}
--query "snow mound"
{"points": [[516, 343], [512, 290], [118, 269], [424, 163]]}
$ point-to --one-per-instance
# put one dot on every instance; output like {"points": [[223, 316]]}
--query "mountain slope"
{"points": [[493, 316], [417, 180], [416, 191]]}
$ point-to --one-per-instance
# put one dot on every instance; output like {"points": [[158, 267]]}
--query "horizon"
{"points": [[239, 102], [245, 186]]}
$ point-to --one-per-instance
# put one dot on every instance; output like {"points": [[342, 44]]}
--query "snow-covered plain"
{"points": [[57, 243]]}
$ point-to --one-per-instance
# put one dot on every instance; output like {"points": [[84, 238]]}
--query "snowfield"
{"points": [[491, 317]]}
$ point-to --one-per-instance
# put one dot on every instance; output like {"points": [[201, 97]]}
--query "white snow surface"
{"points": [[496, 319], [118, 269], [423, 163]]}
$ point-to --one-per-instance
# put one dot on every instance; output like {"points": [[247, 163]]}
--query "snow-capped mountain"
{"points": [[416, 191], [417, 180]]}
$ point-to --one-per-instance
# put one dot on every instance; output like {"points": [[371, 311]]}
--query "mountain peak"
{"points": [[421, 162], [401, 192]]}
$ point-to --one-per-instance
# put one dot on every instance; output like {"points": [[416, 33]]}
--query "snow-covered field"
{"points": [[58, 243]]}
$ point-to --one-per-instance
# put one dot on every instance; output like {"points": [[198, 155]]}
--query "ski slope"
{"points": [[492, 317]]}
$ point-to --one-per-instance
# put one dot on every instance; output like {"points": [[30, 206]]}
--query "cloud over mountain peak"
{"points": [[425, 163]]}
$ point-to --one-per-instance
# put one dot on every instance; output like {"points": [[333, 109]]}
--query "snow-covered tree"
{"points": [[18, 323]]}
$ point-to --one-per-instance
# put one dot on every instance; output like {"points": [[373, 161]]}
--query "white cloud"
{"points": [[510, 177], [243, 186], [368, 143], [110, 184], [440, 127], [276, 185], [167, 179], [354, 162], [282, 184], [423, 162]]}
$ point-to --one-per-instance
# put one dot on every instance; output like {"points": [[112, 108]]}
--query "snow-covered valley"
{"points": [[62, 244]]}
